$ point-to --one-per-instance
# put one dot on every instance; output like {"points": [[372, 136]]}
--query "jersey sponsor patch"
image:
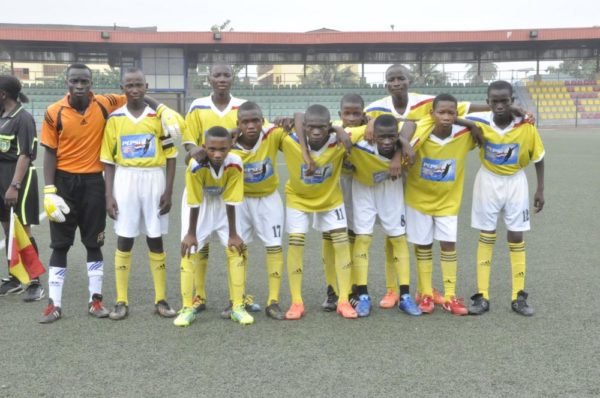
{"points": [[258, 171], [442, 170], [4, 145], [320, 175], [213, 190], [502, 154], [381, 176], [138, 146]]}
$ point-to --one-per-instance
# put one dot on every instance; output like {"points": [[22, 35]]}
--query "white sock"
{"points": [[56, 279], [95, 271]]}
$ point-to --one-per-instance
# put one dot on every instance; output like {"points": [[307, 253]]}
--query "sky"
{"points": [[305, 15]]}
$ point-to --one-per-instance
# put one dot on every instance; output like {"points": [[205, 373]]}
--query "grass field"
{"points": [[554, 353]]}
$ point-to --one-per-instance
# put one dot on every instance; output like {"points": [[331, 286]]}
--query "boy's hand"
{"points": [[408, 154], [235, 134], [165, 203], [11, 197], [395, 169], [538, 201], [287, 123], [172, 122], [55, 206], [235, 242], [311, 166], [198, 154], [370, 131], [112, 209], [524, 113], [189, 241]]}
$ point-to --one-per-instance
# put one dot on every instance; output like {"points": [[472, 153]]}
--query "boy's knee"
{"points": [[125, 244], [514, 236], [155, 245], [94, 254]]}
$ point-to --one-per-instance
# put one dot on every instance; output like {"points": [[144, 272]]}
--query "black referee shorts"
{"points": [[28, 204], [84, 194]]}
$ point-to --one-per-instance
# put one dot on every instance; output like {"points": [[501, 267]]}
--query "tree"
{"points": [[576, 68], [489, 71], [428, 74], [327, 75]]}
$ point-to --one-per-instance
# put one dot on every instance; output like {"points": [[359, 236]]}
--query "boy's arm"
{"points": [[112, 209], [165, 199], [198, 153], [476, 132], [406, 133], [299, 127], [235, 242], [343, 138], [538, 197], [189, 240]]}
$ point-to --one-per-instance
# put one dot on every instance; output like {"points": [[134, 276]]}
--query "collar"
{"points": [[65, 101], [14, 112]]}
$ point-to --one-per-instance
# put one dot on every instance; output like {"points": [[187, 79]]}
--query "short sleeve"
{"points": [[193, 186], [234, 189], [463, 108], [537, 151], [193, 130], [27, 136], [112, 102], [49, 135], [108, 153]]}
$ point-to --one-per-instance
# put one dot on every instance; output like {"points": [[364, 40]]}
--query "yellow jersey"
{"points": [[418, 107], [434, 184], [369, 167], [203, 114], [136, 142], [508, 150], [227, 182], [321, 191], [260, 163]]}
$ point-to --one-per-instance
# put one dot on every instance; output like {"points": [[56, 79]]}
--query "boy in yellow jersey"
{"points": [[261, 213], [217, 109], [138, 197], [377, 195], [318, 194], [215, 186], [433, 194], [501, 186]]}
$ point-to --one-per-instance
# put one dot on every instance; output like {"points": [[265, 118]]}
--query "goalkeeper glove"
{"points": [[55, 206], [172, 122]]}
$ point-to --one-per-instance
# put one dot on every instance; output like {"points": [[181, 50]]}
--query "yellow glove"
{"points": [[55, 206], [172, 122]]}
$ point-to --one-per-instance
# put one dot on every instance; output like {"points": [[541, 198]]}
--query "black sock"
{"points": [[361, 289], [404, 290]]}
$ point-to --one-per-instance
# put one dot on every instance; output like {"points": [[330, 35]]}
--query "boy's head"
{"points": [[250, 119], [10, 88], [317, 122], [134, 85], [352, 110], [397, 80], [220, 78], [444, 110], [217, 143], [500, 98], [385, 128], [79, 80]]}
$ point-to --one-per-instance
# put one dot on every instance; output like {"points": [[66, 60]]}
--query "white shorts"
{"points": [[212, 219], [493, 193], [261, 217], [346, 184], [383, 201], [137, 191], [323, 221], [422, 229]]}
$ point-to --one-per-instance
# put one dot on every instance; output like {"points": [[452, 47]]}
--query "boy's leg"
{"points": [[297, 226], [485, 250], [419, 228], [516, 245], [328, 262], [158, 267], [200, 258], [360, 270], [123, 267], [445, 231]]}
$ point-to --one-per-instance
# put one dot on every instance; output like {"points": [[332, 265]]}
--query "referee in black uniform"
{"points": [[18, 178]]}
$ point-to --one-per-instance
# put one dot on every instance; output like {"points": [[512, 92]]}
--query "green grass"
{"points": [[499, 354]]}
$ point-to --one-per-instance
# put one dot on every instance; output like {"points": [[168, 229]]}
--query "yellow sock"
{"points": [[274, 272], [236, 265], [200, 271], [295, 266], [122, 267], [343, 263], [158, 267], [329, 262], [187, 266], [449, 267], [351, 240], [400, 259], [485, 250], [424, 270], [360, 260], [517, 264], [391, 279]]}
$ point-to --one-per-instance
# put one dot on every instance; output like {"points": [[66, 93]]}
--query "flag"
{"points": [[24, 261]]}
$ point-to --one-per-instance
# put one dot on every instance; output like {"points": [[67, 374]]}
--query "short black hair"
{"points": [[12, 86], [352, 99], [399, 66], [78, 66], [217, 132], [444, 97], [133, 70], [500, 85], [249, 106], [385, 120], [210, 69], [318, 110]]}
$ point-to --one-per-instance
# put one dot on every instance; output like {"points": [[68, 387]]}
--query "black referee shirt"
{"points": [[17, 135]]}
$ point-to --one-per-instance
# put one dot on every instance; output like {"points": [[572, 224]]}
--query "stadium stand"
{"points": [[568, 99]]}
